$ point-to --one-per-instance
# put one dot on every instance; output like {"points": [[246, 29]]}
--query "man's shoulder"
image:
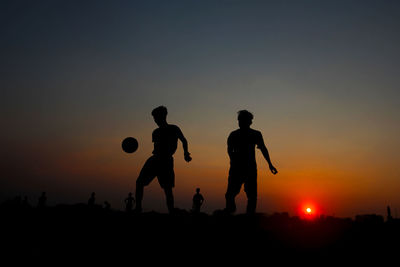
{"points": [[235, 132], [156, 130], [174, 128], [257, 136], [255, 132], [238, 131]]}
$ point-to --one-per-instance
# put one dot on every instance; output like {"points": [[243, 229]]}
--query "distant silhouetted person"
{"points": [[42, 200], [129, 201], [389, 214], [92, 199], [161, 163], [198, 200], [243, 167], [107, 205]]}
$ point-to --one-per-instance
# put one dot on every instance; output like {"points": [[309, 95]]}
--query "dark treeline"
{"points": [[97, 233]]}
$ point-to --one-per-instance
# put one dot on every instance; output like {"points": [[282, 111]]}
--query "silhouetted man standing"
{"points": [[198, 200], [243, 166], [129, 201], [161, 163]]}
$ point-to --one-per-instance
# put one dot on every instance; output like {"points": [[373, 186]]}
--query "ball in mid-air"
{"points": [[129, 145]]}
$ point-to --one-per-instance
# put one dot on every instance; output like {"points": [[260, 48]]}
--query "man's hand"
{"points": [[273, 170], [187, 157]]}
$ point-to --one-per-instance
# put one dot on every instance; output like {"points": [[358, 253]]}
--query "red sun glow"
{"points": [[309, 210]]}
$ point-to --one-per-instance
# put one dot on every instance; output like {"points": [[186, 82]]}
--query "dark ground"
{"points": [[77, 233]]}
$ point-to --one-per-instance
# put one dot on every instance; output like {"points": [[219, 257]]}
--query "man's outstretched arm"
{"points": [[185, 146], [265, 153]]}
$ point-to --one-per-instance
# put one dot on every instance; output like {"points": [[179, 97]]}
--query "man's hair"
{"points": [[160, 111], [245, 115]]}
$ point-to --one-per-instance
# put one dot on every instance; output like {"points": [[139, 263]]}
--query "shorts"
{"points": [[160, 167], [239, 176]]}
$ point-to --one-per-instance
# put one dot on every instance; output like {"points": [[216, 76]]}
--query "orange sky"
{"points": [[342, 177]]}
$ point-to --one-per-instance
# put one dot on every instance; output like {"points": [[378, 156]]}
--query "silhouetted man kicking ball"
{"points": [[161, 164], [243, 169]]}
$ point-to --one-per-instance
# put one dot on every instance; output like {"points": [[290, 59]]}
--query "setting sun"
{"points": [[309, 210]]}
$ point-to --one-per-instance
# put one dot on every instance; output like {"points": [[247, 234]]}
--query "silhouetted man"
{"points": [[198, 200], [389, 214], [243, 167], [161, 163], [129, 201]]}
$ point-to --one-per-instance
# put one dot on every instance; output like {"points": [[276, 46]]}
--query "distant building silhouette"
{"points": [[369, 219]]}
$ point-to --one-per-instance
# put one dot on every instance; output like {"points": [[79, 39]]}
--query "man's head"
{"points": [[198, 190], [245, 118], [160, 115]]}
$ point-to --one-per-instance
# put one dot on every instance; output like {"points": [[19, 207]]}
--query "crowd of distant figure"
{"points": [[197, 202], [129, 202]]}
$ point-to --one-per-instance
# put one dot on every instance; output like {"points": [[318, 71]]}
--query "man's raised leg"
{"points": [[147, 174]]}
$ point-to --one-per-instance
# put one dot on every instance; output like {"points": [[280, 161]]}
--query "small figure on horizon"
{"points": [[161, 163], [389, 214], [243, 166], [198, 200], [92, 199], [129, 201], [42, 200]]}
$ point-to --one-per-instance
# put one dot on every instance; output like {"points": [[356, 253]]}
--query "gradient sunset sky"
{"points": [[322, 79]]}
